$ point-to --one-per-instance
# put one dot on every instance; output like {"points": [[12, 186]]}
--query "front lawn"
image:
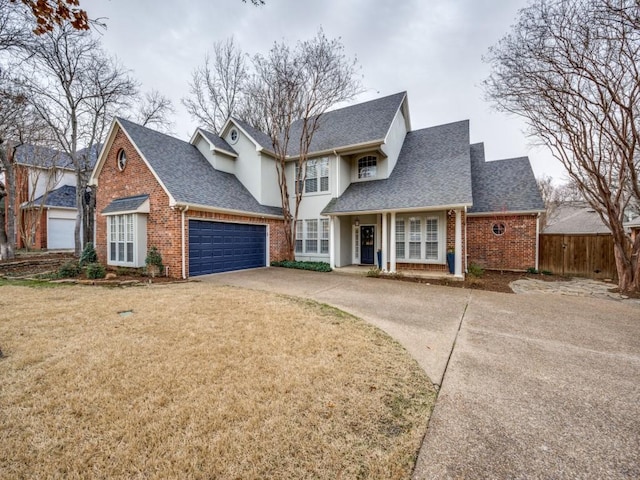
{"points": [[199, 381]]}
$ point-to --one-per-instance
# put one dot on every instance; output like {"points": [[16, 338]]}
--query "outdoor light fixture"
{"points": [[357, 222]]}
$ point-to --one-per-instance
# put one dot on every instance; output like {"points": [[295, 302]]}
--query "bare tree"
{"points": [[217, 88], [571, 69], [290, 91], [76, 89], [155, 110]]}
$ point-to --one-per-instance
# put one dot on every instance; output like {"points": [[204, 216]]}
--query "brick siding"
{"points": [[163, 222], [514, 250]]}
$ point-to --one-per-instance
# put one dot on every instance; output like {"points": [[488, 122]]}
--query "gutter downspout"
{"points": [[538, 242], [184, 264]]}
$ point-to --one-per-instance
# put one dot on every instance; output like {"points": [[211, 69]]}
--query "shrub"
{"points": [[532, 270], [88, 255], [374, 272], [546, 272], [154, 262], [475, 270], [70, 269], [313, 266], [95, 270]]}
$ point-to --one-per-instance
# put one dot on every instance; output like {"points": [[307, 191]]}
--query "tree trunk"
{"points": [[6, 250]]}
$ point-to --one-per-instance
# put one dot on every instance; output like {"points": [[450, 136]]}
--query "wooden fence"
{"points": [[578, 255]]}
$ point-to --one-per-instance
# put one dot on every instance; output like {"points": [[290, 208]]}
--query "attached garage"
{"points": [[216, 247], [61, 224]]}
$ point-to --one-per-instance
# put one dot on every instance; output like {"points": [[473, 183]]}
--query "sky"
{"points": [[432, 49]]}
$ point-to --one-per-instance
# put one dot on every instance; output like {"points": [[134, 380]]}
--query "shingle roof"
{"points": [[125, 204], [361, 123], [433, 170], [62, 197], [575, 218], [503, 185], [217, 142], [39, 156], [188, 176]]}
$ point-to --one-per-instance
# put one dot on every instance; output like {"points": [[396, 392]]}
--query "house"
{"points": [[212, 204], [575, 218]]}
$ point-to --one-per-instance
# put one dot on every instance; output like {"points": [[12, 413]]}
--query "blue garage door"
{"points": [[222, 247]]}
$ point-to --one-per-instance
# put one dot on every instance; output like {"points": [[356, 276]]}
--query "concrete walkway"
{"points": [[532, 386]]}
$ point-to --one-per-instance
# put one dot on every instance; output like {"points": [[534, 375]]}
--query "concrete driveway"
{"points": [[531, 386]]}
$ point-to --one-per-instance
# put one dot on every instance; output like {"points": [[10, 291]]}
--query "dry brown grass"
{"points": [[200, 382]]}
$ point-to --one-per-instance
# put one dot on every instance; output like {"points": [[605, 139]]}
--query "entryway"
{"points": [[367, 244]]}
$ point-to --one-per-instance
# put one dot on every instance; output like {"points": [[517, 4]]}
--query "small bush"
{"points": [[312, 266], [154, 262], [88, 255], [532, 270], [546, 272], [95, 270], [475, 270], [374, 272], [69, 270]]}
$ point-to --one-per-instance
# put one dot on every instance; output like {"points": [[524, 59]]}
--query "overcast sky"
{"points": [[430, 48]]}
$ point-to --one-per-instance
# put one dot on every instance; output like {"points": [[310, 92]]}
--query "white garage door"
{"points": [[60, 233]]}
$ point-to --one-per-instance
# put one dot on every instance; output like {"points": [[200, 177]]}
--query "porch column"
{"points": [[385, 243], [332, 248], [392, 248], [458, 245]]}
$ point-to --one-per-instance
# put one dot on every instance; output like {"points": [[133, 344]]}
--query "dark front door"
{"points": [[367, 235]]}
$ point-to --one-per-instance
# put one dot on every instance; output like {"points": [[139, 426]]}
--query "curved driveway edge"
{"points": [[538, 386]]}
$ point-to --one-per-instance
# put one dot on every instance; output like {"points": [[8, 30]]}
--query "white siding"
{"points": [[219, 161], [248, 164], [42, 179], [270, 186], [393, 144]]}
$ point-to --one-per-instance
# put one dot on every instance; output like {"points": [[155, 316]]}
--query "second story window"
{"points": [[317, 176], [367, 166]]}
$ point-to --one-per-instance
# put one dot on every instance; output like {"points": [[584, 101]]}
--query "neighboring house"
{"points": [[575, 218], [213, 204], [45, 197]]}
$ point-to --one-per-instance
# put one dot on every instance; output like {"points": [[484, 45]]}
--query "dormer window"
{"points": [[233, 136], [367, 166]]}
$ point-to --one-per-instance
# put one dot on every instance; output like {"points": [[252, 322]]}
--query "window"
{"points": [[420, 239], [317, 176], [431, 240], [311, 238], [367, 166], [400, 239], [299, 236], [122, 160], [233, 136], [356, 245], [121, 238], [415, 239], [498, 229]]}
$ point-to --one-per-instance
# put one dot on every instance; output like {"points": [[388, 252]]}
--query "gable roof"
{"points": [[218, 143], [187, 176], [433, 170], [503, 185], [362, 123], [62, 197], [575, 218]]}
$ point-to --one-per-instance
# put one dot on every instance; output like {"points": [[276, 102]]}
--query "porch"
{"points": [[416, 242]]}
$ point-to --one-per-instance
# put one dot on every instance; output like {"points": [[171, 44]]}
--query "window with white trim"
{"points": [[400, 239], [356, 244], [121, 238], [420, 238], [367, 166], [299, 236], [324, 235], [317, 180], [312, 236]]}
